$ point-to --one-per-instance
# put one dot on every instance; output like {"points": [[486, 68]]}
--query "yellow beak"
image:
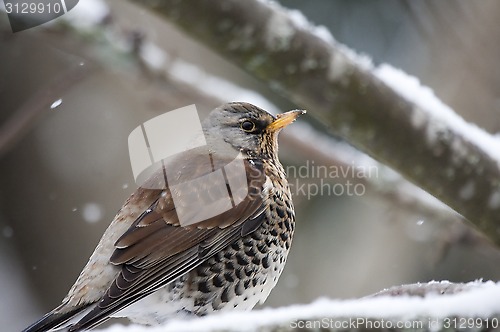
{"points": [[284, 119]]}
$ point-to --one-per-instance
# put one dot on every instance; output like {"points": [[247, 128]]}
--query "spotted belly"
{"points": [[236, 278]]}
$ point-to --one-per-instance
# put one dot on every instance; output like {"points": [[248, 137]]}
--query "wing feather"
{"points": [[156, 250]]}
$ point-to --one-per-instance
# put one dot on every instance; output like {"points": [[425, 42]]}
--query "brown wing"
{"points": [[156, 249]]}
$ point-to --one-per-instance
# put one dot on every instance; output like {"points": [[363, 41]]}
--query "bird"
{"points": [[150, 267]]}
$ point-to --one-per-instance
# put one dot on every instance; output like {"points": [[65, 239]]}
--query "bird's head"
{"points": [[247, 128]]}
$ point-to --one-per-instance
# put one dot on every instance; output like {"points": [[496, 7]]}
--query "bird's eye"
{"points": [[247, 125]]}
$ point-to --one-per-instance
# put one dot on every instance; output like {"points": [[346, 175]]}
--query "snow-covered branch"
{"points": [[380, 110], [419, 309]]}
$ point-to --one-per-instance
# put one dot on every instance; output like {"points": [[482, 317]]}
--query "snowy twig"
{"points": [[421, 139]]}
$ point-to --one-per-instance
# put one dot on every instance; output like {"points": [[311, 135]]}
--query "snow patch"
{"points": [[418, 117], [92, 212], [279, 31], [87, 14], [343, 60], [281, 28], [323, 33], [338, 66], [301, 21], [485, 297], [297, 17], [362, 60], [153, 56], [438, 115], [56, 104]]}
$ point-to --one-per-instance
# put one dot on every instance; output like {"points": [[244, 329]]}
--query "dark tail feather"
{"points": [[54, 320]]}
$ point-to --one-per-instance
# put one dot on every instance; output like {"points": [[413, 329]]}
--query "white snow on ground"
{"points": [[478, 302]]}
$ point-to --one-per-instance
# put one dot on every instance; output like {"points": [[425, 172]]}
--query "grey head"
{"points": [[242, 127]]}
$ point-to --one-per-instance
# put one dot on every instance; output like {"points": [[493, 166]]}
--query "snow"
{"points": [[153, 56], [439, 117], [279, 31], [87, 14], [281, 28], [302, 22], [92, 212], [56, 104], [362, 60], [338, 67], [475, 299]]}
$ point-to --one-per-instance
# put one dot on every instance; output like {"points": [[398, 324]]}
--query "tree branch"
{"points": [[418, 310], [344, 93]]}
